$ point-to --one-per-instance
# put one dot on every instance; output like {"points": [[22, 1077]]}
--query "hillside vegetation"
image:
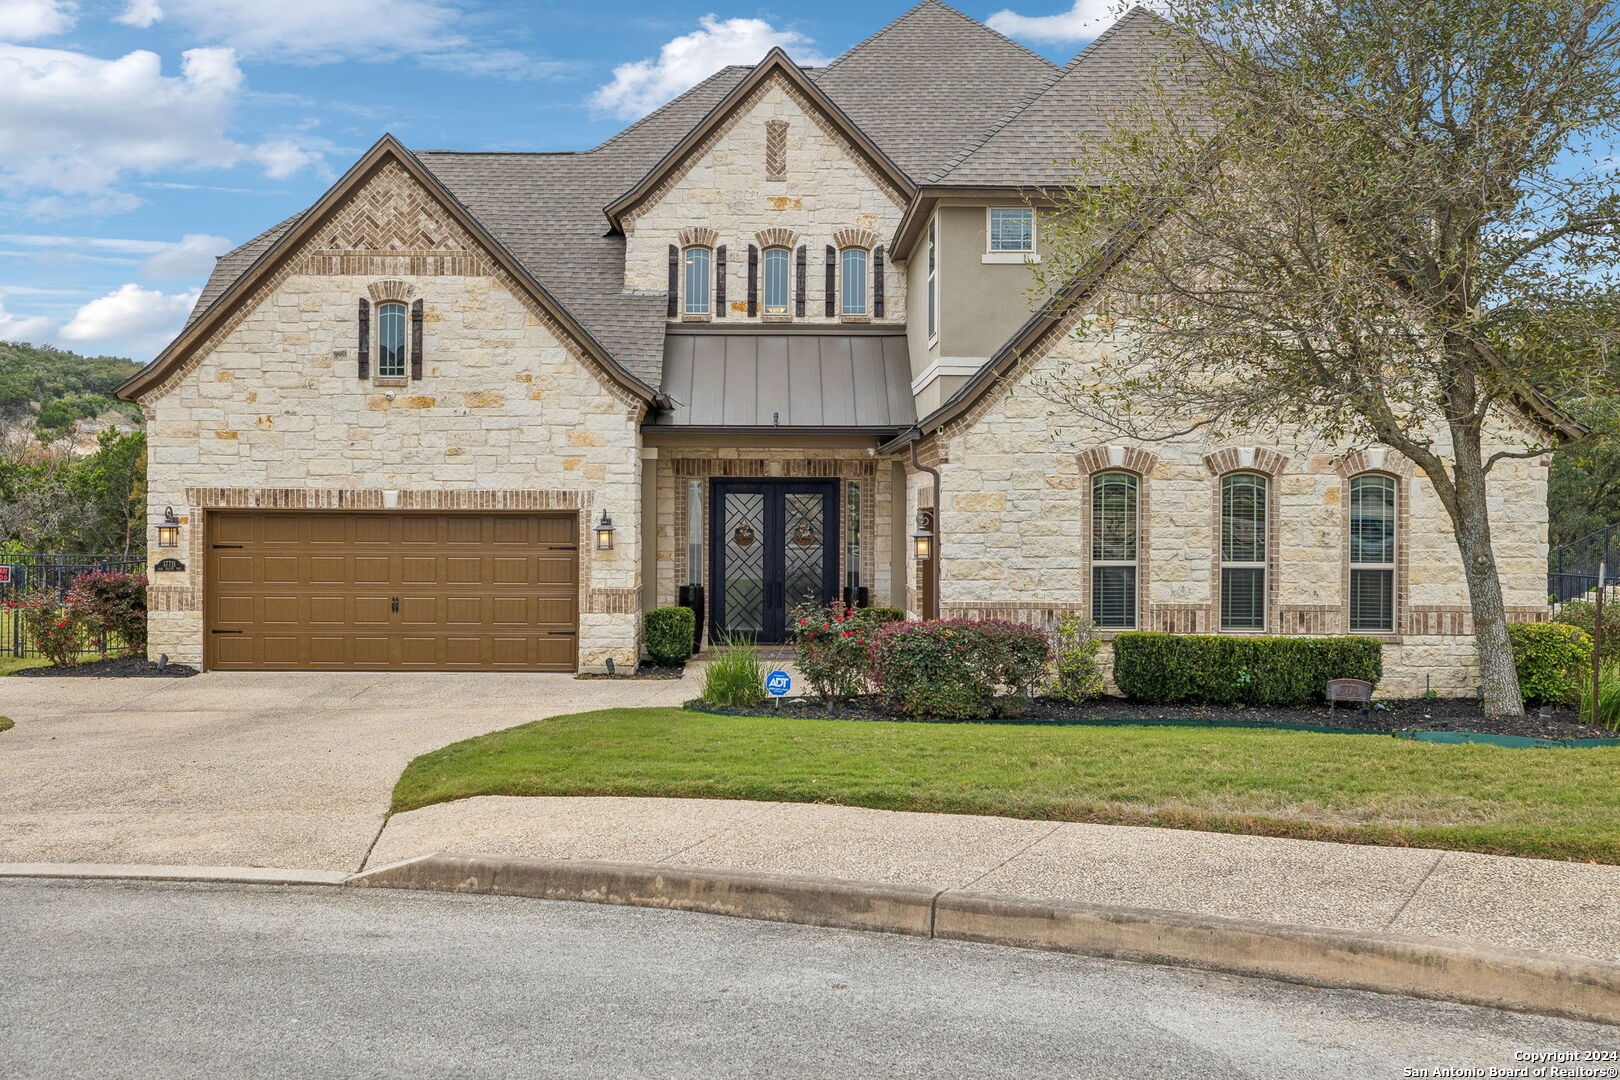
{"points": [[52, 388]]}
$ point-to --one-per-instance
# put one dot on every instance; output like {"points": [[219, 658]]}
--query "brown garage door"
{"points": [[417, 591]]}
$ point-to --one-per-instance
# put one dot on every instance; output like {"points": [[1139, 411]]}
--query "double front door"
{"points": [[773, 546]]}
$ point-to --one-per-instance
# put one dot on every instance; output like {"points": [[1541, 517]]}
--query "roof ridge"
{"points": [[912, 10], [1033, 96], [504, 153], [610, 140]]}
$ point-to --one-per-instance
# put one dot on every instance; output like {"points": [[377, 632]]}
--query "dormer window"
{"points": [[852, 290], [696, 261], [776, 281], [1012, 229], [391, 341]]}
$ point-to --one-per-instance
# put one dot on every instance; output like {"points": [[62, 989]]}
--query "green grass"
{"points": [[9, 664], [1370, 789], [6, 723]]}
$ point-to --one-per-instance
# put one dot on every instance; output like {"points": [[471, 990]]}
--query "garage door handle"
{"points": [[563, 547], [561, 633], [225, 631], [393, 604], [218, 546]]}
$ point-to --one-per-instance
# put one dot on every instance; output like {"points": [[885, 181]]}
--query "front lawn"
{"points": [[1371, 789]]}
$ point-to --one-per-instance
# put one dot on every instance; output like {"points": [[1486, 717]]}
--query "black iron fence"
{"points": [[22, 575], [1572, 570]]}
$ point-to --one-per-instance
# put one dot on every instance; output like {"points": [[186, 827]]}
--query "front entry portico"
{"points": [[773, 546]]}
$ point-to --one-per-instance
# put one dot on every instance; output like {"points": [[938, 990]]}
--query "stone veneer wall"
{"points": [[676, 467], [1015, 543], [725, 188], [269, 412]]}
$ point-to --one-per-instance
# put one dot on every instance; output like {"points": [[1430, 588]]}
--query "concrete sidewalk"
{"points": [[1570, 908]]}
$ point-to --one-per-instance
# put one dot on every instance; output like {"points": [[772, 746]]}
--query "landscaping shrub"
{"points": [[1583, 613], [1079, 676], [113, 607], [668, 633], [834, 650], [1608, 710], [1554, 660], [734, 675], [56, 629], [1169, 669], [952, 668], [882, 616]]}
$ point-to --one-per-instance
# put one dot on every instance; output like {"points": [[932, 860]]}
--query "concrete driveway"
{"points": [[286, 770]]}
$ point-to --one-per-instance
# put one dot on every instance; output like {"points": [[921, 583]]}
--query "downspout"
{"points": [[933, 568]]}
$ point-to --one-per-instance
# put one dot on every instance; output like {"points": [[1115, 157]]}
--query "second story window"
{"points": [[853, 289], [391, 341], [933, 278], [696, 272], [776, 281], [1012, 228]]}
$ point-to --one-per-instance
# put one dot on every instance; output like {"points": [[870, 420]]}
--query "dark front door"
{"points": [[773, 547]]}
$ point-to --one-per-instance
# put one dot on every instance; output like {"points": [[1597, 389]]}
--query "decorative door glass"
{"points": [[744, 549], [804, 549]]}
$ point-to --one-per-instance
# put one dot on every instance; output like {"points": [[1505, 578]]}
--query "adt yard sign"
{"points": [[778, 683]]}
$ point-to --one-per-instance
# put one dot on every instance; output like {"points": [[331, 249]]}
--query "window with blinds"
{"points": [[1372, 554], [1243, 552], [1113, 550]]}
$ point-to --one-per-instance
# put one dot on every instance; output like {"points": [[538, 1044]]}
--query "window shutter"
{"points": [[416, 340], [365, 338], [877, 282], [753, 281], [832, 281], [674, 279], [798, 292], [720, 282]]}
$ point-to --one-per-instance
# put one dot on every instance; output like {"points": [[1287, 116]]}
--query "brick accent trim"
{"points": [[1245, 459], [1139, 463], [391, 289], [855, 238], [699, 236], [776, 236], [776, 149], [1270, 464], [1375, 459]]}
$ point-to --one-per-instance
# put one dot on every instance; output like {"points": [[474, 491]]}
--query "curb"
{"points": [[235, 875], [1503, 978]]}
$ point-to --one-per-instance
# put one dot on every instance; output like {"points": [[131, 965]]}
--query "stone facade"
{"points": [[269, 411], [1015, 539], [729, 187]]}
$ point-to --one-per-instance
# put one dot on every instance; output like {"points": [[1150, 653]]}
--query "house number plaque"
{"points": [[166, 566]]}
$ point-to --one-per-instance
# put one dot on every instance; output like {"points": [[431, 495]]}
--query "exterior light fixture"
{"points": [[604, 533], [922, 541], [169, 529]]}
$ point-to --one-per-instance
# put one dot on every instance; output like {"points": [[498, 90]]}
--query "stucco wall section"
{"points": [[505, 416], [826, 189], [1014, 530]]}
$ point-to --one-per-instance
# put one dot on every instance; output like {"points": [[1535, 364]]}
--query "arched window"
{"points": [[1372, 554], [853, 291], [776, 281], [1243, 552], [391, 341], [696, 261], [1113, 550]]}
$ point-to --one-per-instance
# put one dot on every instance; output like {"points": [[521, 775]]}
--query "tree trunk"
{"points": [[1498, 677]]}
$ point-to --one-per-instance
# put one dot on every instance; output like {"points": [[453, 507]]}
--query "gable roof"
{"points": [[776, 64], [385, 150], [930, 81]]}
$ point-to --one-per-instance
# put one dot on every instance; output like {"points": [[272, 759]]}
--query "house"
{"points": [[766, 345]]}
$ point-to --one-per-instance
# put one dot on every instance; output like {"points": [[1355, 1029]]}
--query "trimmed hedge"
{"points": [[1554, 661], [953, 668], [1217, 669], [668, 632]]}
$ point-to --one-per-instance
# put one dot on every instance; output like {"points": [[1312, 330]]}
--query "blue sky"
{"points": [[140, 138]]}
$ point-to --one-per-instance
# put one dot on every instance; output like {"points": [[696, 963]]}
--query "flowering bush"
{"points": [[953, 668], [834, 650], [56, 629], [113, 607]]}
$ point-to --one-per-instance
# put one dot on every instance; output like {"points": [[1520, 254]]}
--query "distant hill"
{"points": [[55, 388]]}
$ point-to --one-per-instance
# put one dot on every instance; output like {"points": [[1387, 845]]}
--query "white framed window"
{"points": [[1372, 554], [1011, 229], [1114, 525], [694, 532], [391, 341], [1243, 551], [696, 261], [933, 278], [852, 284], [776, 281]]}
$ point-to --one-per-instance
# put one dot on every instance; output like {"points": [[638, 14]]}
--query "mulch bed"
{"points": [[128, 667], [1417, 714], [644, 671]]}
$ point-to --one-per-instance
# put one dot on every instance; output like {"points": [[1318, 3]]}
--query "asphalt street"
{"points": [[104, 979]]}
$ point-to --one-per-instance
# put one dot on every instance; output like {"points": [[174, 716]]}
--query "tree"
{"points": [[1371, 219]]}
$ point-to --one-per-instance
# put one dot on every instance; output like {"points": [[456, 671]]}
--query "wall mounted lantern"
{"points": [[922, 541], [169, 529], [604, 533]]}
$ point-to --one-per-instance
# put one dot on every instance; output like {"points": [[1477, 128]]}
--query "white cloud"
{"points": [[320, 31], [25, 20], [74, 124], [641, 86], [192, 256], [37, 329], [137, 321], [140, 13], [1084, 21]]}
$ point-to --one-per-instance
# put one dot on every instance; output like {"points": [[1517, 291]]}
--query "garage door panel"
{"points": [[373, 591]]}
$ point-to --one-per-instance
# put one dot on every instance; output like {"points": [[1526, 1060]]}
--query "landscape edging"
{"points": [[1521, 980]]}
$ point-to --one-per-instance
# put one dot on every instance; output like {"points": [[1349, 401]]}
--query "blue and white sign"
{"points": [[778, 683]]}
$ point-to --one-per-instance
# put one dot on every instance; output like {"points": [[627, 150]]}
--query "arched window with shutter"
{"points": [[776, 281], [391, 341], [696, 262], [852, 290]]}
